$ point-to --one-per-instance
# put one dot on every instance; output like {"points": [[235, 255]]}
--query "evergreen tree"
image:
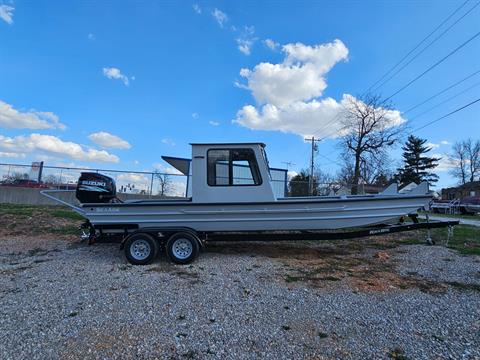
{"points": [[417, 166], [298, 185]]}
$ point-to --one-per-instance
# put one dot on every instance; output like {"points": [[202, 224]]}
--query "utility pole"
{"points": [[312, 162]]}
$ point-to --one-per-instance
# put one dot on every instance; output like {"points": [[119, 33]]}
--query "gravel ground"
{"points": [[64, 299]]}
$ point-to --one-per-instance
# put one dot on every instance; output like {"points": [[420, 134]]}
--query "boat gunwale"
{"points": [[171, 202]]}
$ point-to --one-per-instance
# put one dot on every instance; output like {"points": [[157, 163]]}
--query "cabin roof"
{"points": [[232, 143]]}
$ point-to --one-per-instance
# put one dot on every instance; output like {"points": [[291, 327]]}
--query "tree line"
{"points": [[370, 131]]}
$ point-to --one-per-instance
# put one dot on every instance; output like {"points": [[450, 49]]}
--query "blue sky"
{"points": [[118, 84]]}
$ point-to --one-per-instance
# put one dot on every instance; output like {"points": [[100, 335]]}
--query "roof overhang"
{"points": [[181, 164]]}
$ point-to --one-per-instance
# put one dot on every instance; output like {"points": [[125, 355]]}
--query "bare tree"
{"points": [[52, 179], [374, 169], [369, 132], [164, 183], [466, 157], [325, 183], [473, 156], [15, 176], [459, 158]]}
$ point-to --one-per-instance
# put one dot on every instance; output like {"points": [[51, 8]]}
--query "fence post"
{"points": [[151, 186]]}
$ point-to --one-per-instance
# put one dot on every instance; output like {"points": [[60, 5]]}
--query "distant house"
{"points": [[462, 191]]}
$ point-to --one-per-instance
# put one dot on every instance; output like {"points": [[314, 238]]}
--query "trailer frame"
{"points": [[122, 233]]}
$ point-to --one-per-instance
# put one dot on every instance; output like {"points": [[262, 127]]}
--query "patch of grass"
{"points": [[66, 214], [330, 278], [32, 210], [66, 230], [466, 239], [464, 286], [322, 335], [397, 354], [291, 278], [14, 209]]}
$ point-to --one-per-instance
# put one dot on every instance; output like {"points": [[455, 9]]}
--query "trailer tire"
{"points": [[141, 249], [182, 247]]}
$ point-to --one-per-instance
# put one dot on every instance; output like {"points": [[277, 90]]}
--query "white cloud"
{"points": [[214, 123], [31, 119], [245, 46], [246, 40], [115, 73], [109, 141], [220, 17], [197, 8], [432, 146], [291, 174], [168, 141], [195, 115], [6, 13], [11, 155], [320, 118], [91, 36], [299, 77], [139, 181], [272, 45], [166, 169], [53, 146], [445, 163], [288, 94], [298, 118], [445, 142]]}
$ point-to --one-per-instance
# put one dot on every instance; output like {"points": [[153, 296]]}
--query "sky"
{"points": [[117, 84]]}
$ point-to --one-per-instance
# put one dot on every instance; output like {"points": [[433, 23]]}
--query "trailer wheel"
{"points": [[182, 247], [141, 249]]}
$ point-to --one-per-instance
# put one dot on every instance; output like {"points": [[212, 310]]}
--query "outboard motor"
{"points": [[95, 188]]}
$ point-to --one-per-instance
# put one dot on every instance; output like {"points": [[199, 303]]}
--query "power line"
{"points": [[447, 115], [434, 65], [426, 47], [418, 45], [288, 164], [441, 92], [445, 101], [330, 160]]}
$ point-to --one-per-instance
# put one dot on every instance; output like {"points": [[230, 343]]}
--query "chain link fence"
{"points": [[155, 184], [152, 184]]}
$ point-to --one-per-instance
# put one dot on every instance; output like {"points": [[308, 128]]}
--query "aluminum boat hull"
{"points": [[284, 214]]}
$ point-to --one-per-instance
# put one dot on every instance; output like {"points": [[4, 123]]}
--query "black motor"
{"points": [[95, 188]]}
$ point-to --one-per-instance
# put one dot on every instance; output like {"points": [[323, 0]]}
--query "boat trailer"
{"points": [[182, 245]]}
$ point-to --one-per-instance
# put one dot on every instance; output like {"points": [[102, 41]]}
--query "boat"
{"points": [[232, 191], [226, 199]]}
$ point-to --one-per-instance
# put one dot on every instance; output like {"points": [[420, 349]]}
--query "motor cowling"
{"points": [[95, 188]]}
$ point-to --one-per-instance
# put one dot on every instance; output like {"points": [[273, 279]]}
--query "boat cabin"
{"points": [[223, 173]]}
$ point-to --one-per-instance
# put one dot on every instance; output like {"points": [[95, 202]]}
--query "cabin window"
{"points": [[232, 167]]}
